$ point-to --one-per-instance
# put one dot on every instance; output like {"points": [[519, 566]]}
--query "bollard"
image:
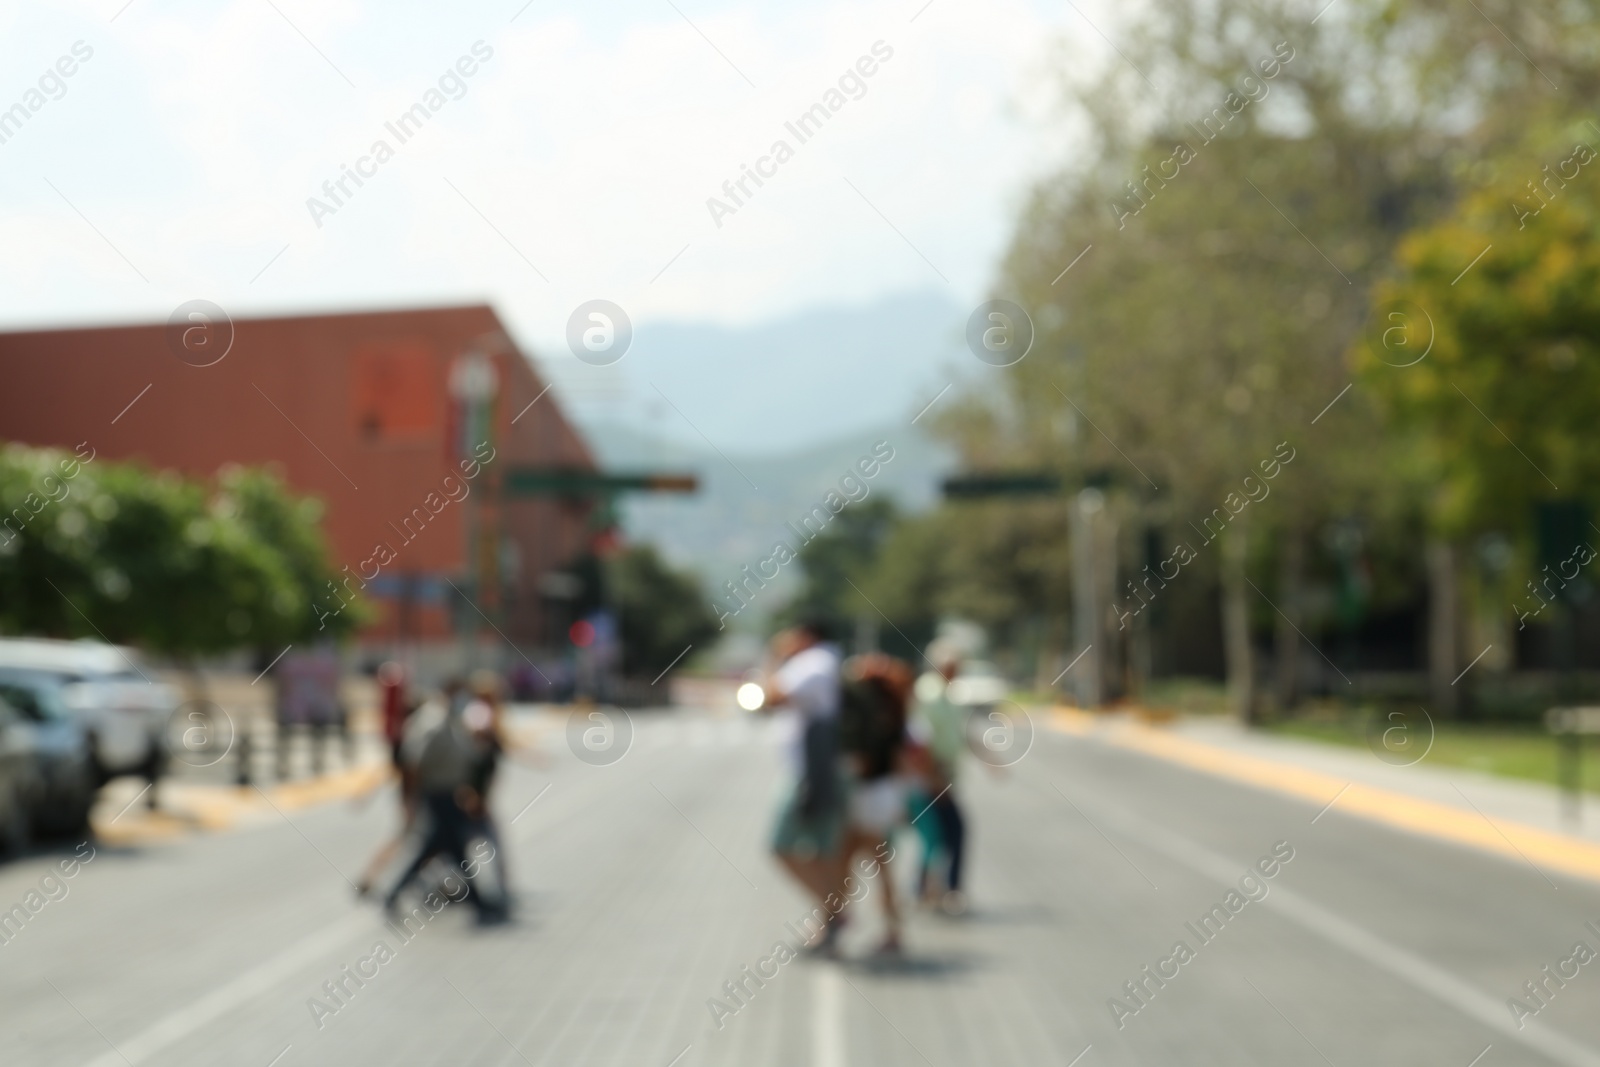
{"points": [[1571, 774], [243, 775], [1569, 725], [282, 737]]}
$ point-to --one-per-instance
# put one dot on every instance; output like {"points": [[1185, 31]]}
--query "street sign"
{"points": [[1023, 483], [577, 482], [1029, 483]]}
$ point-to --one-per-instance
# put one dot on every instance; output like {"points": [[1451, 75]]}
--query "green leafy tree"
{"points": [[153, 559], [1485, 351], [1505, 401], [661, 611], [835, 563], [1252, 167]]}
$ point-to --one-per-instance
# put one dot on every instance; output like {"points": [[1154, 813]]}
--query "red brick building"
{"points": [[364, 411]]}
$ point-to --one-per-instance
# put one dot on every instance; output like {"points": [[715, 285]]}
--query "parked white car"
{"points": [[122, 706]]}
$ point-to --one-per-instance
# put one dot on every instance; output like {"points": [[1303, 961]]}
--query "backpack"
{"points": [[871, 726]]}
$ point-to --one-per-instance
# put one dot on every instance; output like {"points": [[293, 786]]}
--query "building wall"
{"points": [[351, 408]]}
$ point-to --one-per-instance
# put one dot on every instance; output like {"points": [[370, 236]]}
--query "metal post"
{"points": [[1569, 772], [1086, 597], [243, 776], [1570, 725]]}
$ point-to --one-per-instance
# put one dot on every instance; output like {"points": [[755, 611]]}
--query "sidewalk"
{"points": [[1521, 821], [122, 817]]}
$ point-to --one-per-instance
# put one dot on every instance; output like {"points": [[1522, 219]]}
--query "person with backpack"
{"points": [[872, 739], [810, 829], [483, 718], [446, 760]]}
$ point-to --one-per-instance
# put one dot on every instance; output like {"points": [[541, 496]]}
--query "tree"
{"points": [[1221, 246], [92, 548], [839, 556], [661, 611], [1506, 395], [1485, 346]]}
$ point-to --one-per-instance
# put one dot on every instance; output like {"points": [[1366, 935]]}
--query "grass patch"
{"points": [[1186, 696], [1528, 752]]}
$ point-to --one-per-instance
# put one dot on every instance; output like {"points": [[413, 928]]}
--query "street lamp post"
{"points": [[474, 385]]}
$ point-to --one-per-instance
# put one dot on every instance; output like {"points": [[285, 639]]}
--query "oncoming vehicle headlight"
{"points": [[750, 696]]}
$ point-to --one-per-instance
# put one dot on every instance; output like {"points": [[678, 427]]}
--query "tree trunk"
{"points": [[1086, 600], [1236, 624], [1291, 575], [1044, 670], [1442, 667]]}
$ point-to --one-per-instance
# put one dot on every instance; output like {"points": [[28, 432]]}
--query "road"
{"points": [[645, 886]]}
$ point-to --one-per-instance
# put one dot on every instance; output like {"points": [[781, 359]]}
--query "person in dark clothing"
{"points": [[483, 717], [872, 732], [444, 756]]}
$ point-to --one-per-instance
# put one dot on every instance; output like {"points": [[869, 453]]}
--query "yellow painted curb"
{"points": [[1546, 850], [213, 808]]}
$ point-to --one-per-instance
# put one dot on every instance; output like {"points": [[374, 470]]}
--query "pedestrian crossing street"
{"points": [[645, 888]]}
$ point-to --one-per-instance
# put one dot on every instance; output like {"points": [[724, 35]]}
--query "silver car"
{"points": [[21, 781], [63, 760], [120, 705]]}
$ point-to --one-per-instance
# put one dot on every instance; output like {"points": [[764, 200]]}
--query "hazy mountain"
{"points": [[776, 387], [745, 500]]}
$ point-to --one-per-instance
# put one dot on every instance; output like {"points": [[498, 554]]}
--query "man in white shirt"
{"points": [[810, 829]]}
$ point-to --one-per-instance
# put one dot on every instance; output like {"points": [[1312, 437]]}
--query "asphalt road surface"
{"points": [[644, 885]]}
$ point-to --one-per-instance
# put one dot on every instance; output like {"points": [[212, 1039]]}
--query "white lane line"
{"points": [[827, 1020], [177, 1025], [1412, 969]]}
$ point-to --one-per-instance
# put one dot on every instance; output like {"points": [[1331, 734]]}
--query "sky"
{"points": [[574, 162]]}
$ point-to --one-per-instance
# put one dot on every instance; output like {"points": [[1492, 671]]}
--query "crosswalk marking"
{"points": [[827, 1020]]}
